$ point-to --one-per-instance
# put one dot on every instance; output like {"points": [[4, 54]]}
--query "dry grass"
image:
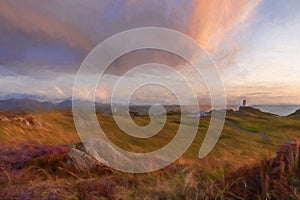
{"points": [[47, 172], [48, 169]]}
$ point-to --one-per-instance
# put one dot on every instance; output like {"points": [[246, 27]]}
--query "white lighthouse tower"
{"points": [[244, 103]]}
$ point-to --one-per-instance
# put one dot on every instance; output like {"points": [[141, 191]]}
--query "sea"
{"points": [[282, 110]]}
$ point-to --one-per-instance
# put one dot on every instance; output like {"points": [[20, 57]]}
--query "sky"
{"points": [[255, 45]]}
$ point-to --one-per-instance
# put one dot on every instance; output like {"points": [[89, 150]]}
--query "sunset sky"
{"points": [[254, 43]]}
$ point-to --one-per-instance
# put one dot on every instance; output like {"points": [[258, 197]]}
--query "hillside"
{"points": [[296, 114], [43, 146], [247, 134]]}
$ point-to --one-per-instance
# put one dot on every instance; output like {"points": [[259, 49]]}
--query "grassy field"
{"points": [[41, 159]]}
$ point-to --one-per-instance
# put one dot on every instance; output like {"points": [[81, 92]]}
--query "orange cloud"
{"points": [[102, 93], [212, 20]]}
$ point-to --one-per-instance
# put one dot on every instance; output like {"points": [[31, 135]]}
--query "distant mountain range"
{"points": [[28, 104], [21, 96], [23, 104], [31, 103]]}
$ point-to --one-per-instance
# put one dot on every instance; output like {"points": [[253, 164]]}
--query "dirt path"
{"points": [[265, 136]]}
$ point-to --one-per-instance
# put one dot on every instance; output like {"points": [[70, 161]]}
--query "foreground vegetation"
{"points": [[41, 158]]}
